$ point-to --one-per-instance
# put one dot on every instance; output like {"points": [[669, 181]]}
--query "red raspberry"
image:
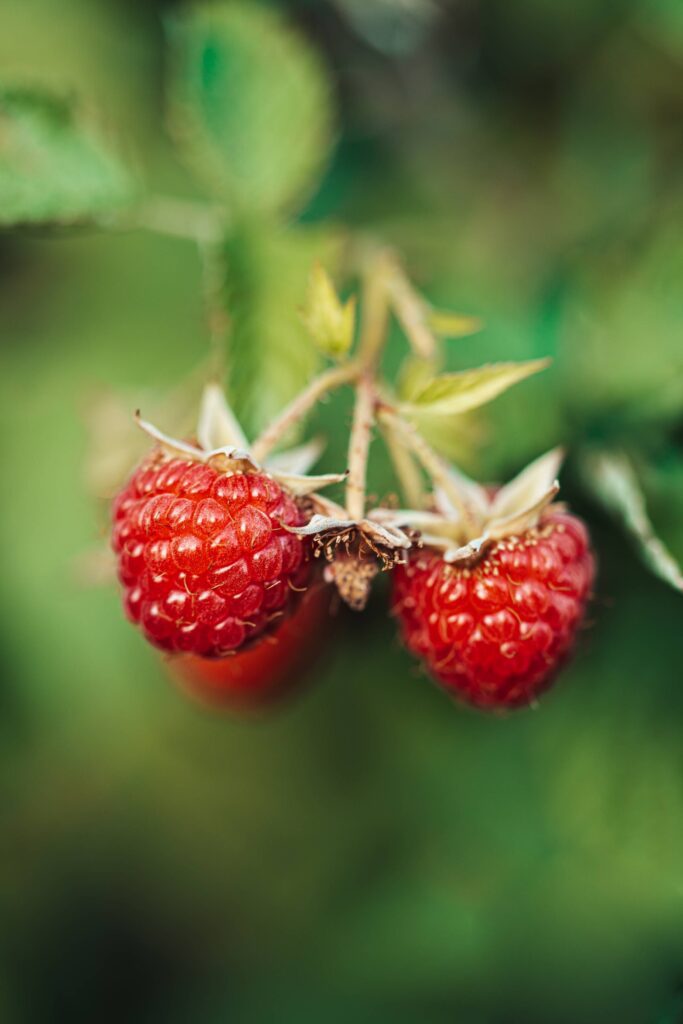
{"points": [[496, 634], [202, 555], [266, 672]]}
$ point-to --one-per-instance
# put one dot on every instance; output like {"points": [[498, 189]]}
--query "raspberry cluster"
{"points": [[216, 535], [204, 557], [496, 634]]}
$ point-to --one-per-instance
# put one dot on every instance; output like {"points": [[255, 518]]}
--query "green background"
{"points": [[369, 852]]}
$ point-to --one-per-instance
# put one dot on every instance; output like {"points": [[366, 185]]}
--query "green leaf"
{"points": [[620, 333], [330, 322], [613, 480], [451, 394], [250, 104], [453, 325], [414, 375], [53, 168]]}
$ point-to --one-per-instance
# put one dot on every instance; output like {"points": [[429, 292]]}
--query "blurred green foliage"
{"points": [[370, 852], [268, 140], [50, 169]]}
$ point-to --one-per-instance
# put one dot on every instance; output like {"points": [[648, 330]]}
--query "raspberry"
{"points": [[495, 634], [203, 556], [268, 671]]}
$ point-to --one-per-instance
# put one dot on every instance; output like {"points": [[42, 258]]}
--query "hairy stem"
{"points": [[176, 218], [299, 406], [409, 309], [435, 466], [375, 321], [405, 467], [359, 446], [375, 310]]}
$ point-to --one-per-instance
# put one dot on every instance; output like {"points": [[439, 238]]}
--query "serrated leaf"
{"points": [[249, 103], [53, 168], [614, 483], [452, 394], [414, 376], [330, 322], [453, 325]]}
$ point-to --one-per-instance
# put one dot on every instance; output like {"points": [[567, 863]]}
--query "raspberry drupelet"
{"points": [[204, 557], [494, 634]]}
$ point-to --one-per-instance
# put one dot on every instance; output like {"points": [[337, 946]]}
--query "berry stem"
{"points": [[359, 446], [410, 311], [375, 322], [175, 218], [435, 466], [299, 406], [375, 309], [405, 468]]}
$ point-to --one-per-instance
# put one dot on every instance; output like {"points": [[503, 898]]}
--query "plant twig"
{"points": [[375, 310], [359, 446], [405, 468], [374, 325], [176, 218], [435, 466], [299, 406], [409, 308]]}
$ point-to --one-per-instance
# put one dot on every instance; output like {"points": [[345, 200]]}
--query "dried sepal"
{"points": [[529, 486], [298, 459], [473, 497], [300, 484], [217, 426], [435, 530], [217, 423], [467, 553], [511, 510], [319, 526], [355, 549], [380, 537], [189, 451], [525, 519]]}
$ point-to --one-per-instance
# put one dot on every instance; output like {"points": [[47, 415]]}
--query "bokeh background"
{"points": [[369, 851]]}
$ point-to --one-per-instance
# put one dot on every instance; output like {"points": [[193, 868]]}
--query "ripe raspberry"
{"points": [[267, 671], [496, 634], [202, 555]]}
